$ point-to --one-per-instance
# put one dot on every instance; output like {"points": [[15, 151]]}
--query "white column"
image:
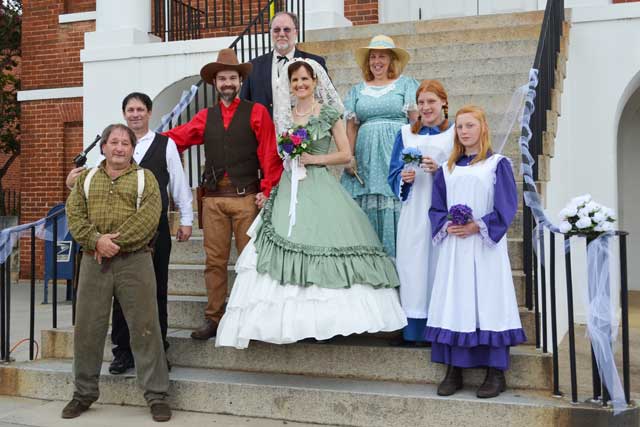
{"points": [[121, 23], [325, 14]]}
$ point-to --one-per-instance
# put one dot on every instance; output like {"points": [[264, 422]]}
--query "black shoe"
{"points": [[121, 363], [160, 412], [452, 382], [494, 384], [74, 409]]}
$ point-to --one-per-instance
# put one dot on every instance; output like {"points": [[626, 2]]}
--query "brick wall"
{"points": [[361, 12], [51, 51], [625, 1], [51, 129], [76, 6]]}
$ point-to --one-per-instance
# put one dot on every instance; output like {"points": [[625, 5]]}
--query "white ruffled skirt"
{"points": [[260, 308]]}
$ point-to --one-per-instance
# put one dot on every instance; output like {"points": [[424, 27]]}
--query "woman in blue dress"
{"points": [[375, 110]]}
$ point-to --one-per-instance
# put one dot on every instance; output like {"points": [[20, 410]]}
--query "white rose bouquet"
{"points": [[585, 217]]}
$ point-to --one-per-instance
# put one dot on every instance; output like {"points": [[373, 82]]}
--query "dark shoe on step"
{"points": [[206, 331], [452, 382], [121, 363], [494, 384], [160, 412], [74, 409]]}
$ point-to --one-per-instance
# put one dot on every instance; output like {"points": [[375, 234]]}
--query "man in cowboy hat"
{"points": [[241, 167], [260, 85]]}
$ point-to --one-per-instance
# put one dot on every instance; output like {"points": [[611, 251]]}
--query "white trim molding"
{"points": [[69, 18], [57, 93]]}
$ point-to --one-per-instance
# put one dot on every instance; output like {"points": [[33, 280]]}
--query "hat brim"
{"points": [[209, 71], [362, 56]]}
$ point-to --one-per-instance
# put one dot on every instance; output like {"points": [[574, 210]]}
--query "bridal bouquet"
{"points": [[585, 217], [460, 214], [294, 142], [411, 157]]}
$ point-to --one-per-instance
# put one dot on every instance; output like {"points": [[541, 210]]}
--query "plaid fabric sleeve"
{"points": [[82, 230], [138, 229]]}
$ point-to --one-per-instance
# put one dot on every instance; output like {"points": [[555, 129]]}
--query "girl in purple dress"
{"points": [[473, 316]]}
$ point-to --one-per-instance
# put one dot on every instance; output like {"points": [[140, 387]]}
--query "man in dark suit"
{"points": [[260, 85]]}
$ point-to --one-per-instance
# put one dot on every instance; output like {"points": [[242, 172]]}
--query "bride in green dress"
{"points": [[314, 267]]}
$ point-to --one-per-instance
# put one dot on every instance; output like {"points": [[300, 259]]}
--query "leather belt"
{"points": [[226, 189]]}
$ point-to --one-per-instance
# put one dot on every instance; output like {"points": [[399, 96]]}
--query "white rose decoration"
{"points": [[582, 212], [584, 222], [606, 226], [569, 211], [600, 216], [564, 227], [591, 206], [581, 200]]}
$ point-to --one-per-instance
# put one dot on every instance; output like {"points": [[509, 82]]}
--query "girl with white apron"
{"points": [[432, 134]]}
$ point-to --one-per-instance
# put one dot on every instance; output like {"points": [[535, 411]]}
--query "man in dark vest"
{"points": [[260, 85], [159, 154], [241, 167]]}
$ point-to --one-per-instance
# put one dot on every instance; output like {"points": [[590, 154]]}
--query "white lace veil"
{"points": [[325, 93]]}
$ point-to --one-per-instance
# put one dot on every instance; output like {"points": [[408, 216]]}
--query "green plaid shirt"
{"points": [[111, 208]]}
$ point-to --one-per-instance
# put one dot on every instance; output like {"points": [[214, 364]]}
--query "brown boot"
{"points": [[74, 409], [206, 331], [160, 412], [494, 384], [452, 382]]}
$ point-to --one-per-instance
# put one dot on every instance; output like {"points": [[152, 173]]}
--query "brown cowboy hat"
{"points": [[227, 60]]}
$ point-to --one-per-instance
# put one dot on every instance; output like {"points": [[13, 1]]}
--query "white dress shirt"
{"points": [[178, 187]]}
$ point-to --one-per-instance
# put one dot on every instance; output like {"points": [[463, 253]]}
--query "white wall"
{"points": [[628, 179]]}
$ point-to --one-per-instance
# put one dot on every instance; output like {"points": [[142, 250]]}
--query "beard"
{"points": [[228, 93]]}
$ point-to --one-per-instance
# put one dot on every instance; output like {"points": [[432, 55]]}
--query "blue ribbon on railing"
{"points": [[601, 322], [185, 100]]}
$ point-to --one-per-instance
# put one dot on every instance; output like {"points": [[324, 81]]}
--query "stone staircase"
{"points": [[357, 380]]}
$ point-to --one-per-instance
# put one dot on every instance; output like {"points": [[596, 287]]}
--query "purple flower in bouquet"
{"points": [[301, 132], [287, 147], [460, 214]]}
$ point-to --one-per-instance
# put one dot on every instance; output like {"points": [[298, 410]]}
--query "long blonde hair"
{"points": [[485, 139]]}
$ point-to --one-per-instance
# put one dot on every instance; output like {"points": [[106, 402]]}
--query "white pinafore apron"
{"points": [[415, 257], [473, 286]]}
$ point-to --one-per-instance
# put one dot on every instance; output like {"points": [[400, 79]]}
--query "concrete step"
{"points": [[530, 369], [191, 252], [438, 69], [427, 26], [471, 51], [187, 312], [424, 40], [455, 86], [316, 400], [188, 279]]}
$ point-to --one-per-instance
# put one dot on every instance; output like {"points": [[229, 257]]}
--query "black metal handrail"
{"points": [[194, 19], [5, 290]]}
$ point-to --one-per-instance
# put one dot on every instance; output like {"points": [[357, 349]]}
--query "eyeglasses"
{"points": [[285, 30]]}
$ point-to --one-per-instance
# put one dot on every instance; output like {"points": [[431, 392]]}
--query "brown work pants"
{"points": [[222, 216]]}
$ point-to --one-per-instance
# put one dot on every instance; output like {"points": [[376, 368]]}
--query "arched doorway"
{"points": [[628, 178]]}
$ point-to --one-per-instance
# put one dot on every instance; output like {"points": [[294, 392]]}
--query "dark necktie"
{"points": [[282, 60]]}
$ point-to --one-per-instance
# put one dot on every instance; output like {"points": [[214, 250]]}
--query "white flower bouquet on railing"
{"points": [[583, 216]]}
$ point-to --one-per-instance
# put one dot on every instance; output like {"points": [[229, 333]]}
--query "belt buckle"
{"points": [[241, 193]]}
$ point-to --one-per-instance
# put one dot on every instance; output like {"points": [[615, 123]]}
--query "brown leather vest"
{"points": [[232, 150]]}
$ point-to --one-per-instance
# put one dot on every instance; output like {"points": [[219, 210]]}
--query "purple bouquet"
{"points": [[294, 142], [460, 214]]}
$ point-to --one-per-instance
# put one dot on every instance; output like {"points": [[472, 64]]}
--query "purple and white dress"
{"points": [[473, 316]]}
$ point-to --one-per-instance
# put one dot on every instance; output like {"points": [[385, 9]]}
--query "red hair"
{"points": [[485, 139], [435, 87]]}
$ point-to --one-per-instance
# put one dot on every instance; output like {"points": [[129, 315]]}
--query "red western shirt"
{"points": [[192, 133]]}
